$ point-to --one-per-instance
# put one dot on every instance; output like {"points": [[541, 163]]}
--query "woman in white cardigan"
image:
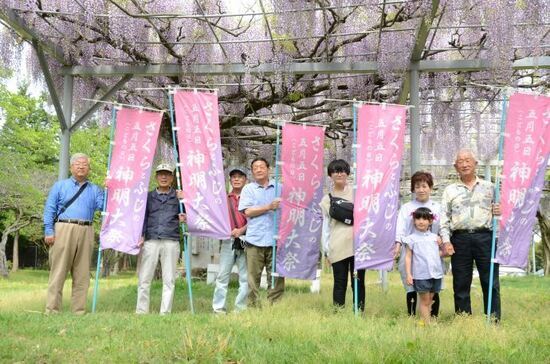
{"points": [[421, 185]]}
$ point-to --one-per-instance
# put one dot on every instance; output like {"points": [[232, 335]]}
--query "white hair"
{"points": [[78, 156], [466, 151]]}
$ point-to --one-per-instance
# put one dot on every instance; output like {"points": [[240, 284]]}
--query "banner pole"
{"points": [[98, 265], [495, 219], [275, 221], [354, 151], [183, 225]]}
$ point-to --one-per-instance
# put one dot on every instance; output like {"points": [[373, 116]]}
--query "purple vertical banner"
{"points": [[301, 218], [200, 152], [380, 134], [133, 151], [526, 151]]}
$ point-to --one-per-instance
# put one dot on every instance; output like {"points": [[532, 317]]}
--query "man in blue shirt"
{"points": [[69, 232], [259, 202]]}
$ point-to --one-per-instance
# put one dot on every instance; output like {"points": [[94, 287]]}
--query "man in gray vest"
{"points": [[160, 240]]}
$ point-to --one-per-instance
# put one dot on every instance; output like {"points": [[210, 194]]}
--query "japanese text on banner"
{"points": [[202, 176], [134, 147], [380, 135], [526, 151], [301, 219]]}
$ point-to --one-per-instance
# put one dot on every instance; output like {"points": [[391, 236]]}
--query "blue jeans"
{"points": [[229, 257]]}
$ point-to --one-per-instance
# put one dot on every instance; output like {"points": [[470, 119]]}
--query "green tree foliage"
{"points": [[93, 141], [28, 150]]}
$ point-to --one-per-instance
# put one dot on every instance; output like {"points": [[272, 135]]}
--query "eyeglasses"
{"points": [[464, 161]]}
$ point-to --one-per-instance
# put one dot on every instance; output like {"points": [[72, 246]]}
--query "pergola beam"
{"points": [[473, 65], [220, 69], [168, 69]]}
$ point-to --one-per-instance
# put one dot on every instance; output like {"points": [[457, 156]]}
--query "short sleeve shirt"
{"points": [[259, 231], [426, 262], [466, 209]]}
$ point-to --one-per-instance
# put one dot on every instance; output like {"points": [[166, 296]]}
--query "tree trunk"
{"points": [[115, 266], [138, 263], [3, 259], [15, 226], [15, 260], [545, 240], [110, 263], [125, 263]]}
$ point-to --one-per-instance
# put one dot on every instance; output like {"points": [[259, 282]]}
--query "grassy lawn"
{"points": [[302, 328]]}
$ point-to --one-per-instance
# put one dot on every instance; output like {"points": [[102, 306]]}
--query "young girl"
{"points": [[423, 262]]}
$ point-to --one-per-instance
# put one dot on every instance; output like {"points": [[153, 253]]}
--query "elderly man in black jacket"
{"points": [[161, 239]]}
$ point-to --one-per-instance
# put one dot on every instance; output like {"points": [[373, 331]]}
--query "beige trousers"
{"points": [[71, 252]]}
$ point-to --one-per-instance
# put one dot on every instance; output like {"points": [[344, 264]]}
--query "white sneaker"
{"points": [[315, 286]]}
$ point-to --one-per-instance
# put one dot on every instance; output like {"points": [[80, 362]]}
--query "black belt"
{"points": [[76, 221], [471, 231]]}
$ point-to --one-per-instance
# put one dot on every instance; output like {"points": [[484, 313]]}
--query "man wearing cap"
{"points": [[161, 239], [232, 251], [69, 233], [259, 202]]}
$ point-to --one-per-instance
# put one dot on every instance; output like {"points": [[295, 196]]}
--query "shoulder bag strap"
{"points": [[73, 199]]}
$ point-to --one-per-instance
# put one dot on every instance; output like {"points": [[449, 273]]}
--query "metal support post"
{"points": [[415, 120], [65, 138]]}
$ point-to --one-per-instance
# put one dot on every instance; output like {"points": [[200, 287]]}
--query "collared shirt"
{"points": [[83, 208], [259, 231], [405, 225], [465, 209], [426, 262], [237, 218], [161, 216]]}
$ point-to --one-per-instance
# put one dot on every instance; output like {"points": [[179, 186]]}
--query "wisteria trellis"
{"points": [[109, 32]]}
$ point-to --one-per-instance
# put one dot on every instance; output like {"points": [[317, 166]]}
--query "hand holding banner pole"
{"points": [[98, 265], [178, 181], [497, 200]]}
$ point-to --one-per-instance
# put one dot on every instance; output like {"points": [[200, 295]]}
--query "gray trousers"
{"points": [[168, 251]]}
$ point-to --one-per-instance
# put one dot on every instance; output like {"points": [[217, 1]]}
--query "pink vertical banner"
{"points": [[526, 151], [132, 155], [202, 176], [380, 136], [301, 218]]}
